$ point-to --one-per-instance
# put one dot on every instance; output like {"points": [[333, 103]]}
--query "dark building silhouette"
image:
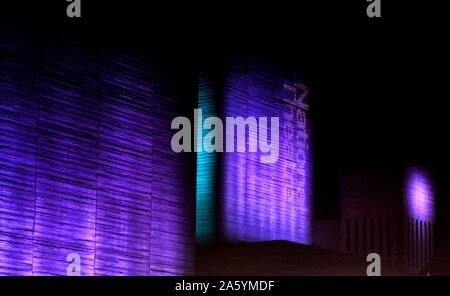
{"points": [[389, 212]]}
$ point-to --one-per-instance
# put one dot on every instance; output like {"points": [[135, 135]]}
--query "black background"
{"points": [[378, 86], [166, 285]]}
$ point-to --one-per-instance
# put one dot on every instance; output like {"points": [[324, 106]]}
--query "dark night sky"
{"points": [[378, 87]]}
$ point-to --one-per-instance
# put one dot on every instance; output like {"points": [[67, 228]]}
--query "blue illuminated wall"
{"points": [[206, 191], [267, 201], [86, 164]]}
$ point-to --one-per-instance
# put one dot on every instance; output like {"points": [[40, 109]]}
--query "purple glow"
{"points": [[86, 164], [420, 195], [267, 201]]}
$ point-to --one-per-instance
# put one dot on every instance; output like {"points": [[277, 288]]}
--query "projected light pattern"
{"points": [[420, 195], [267, 201], [86, 165], [420, 211]]}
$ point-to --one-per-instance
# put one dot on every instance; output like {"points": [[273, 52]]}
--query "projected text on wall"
{"points": [[267, 201]]}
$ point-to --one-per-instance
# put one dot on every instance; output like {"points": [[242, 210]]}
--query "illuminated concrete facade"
{"points": [[86, 166], [260, 201]]}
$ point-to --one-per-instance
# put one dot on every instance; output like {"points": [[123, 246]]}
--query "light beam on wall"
{"points": [[420, 195]]}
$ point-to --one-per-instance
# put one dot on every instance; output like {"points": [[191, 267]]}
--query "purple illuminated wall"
{"points": [[267, 201], [86, 164]]}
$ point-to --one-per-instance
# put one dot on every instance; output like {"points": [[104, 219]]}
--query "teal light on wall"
{"points": [[206, 168]]}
